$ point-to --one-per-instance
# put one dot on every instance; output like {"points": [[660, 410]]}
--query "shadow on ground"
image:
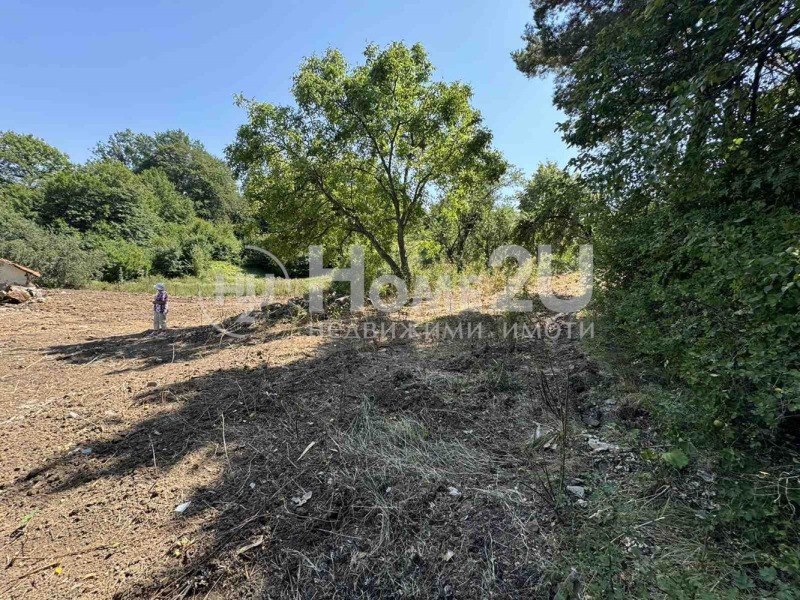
{"points": [[358, 470], [174, 345]]}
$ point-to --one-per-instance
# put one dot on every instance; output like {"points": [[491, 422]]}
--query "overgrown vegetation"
{"points": [[685, 116], [143, 205]]}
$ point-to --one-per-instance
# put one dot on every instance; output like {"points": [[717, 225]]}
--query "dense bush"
{"points": [[58, 257], [124, 260], [217, 239], [715, 303], [170, 259], [189, 249]]}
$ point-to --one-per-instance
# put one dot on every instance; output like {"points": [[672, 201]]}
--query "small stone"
{"points": [[576, 490], [598, 445], [591, 417]]}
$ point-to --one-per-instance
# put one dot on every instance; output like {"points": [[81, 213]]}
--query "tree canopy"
{"points": [[102, 196], [694, 95], [556, 209], [194, 172], [364, 150], [26, 160]]}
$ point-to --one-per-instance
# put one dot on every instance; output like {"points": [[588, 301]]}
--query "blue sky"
{"points": [[74, 72]]}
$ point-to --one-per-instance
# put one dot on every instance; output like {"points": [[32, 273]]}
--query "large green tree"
{"points": [[27, 160], [364, 150], [132, 149], [695, 94], [104, 197], [191, 169], [557, 209], [170, 205]]}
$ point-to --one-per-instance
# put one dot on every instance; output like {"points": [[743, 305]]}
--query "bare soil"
{"points": [[316, 466]]}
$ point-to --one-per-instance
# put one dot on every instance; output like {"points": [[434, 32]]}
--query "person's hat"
{"points": [[159, 286]]}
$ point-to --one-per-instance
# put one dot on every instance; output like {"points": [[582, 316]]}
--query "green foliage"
{"points": [[684, 115], [103, 196], [693, 98], [192, 170], [124, 260], [169, 205], [134, 150], [60, 258], [104, 215], [453, 221], [363, 152], [556, 209], [676, 458], [189, 249], [23, 200], [496, 229], [697, 157], [716, 306], [27, 160]]}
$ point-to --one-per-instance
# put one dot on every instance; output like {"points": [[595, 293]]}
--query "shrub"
{"points": [[200, 259], [189, 249], [217, 239], [124, 260], [60, 258], [170, 260], [715, 303]]}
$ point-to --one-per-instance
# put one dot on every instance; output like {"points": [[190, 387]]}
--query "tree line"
{"points": [[143, 203], [379, 154]]}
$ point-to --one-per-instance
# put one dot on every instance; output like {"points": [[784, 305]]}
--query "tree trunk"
{"points": [[405, 272], [396, 269]]}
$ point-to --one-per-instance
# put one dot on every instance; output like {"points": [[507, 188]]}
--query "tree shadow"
{"points": [[274, 428], [146, 351], [257, 420]]}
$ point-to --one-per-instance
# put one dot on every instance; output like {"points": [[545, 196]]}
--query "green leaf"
{"points": [[675, 458]]}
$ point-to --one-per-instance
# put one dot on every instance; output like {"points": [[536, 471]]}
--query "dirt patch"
{"points": [[313, 466]]}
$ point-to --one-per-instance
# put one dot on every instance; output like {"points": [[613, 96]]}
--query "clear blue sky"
{"points": [[74, 72]]}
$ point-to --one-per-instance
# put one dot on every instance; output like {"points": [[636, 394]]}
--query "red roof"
{"points": [[21, 268]]}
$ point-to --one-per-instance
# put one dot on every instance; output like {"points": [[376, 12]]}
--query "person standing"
{"points": [[160, 308]]}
